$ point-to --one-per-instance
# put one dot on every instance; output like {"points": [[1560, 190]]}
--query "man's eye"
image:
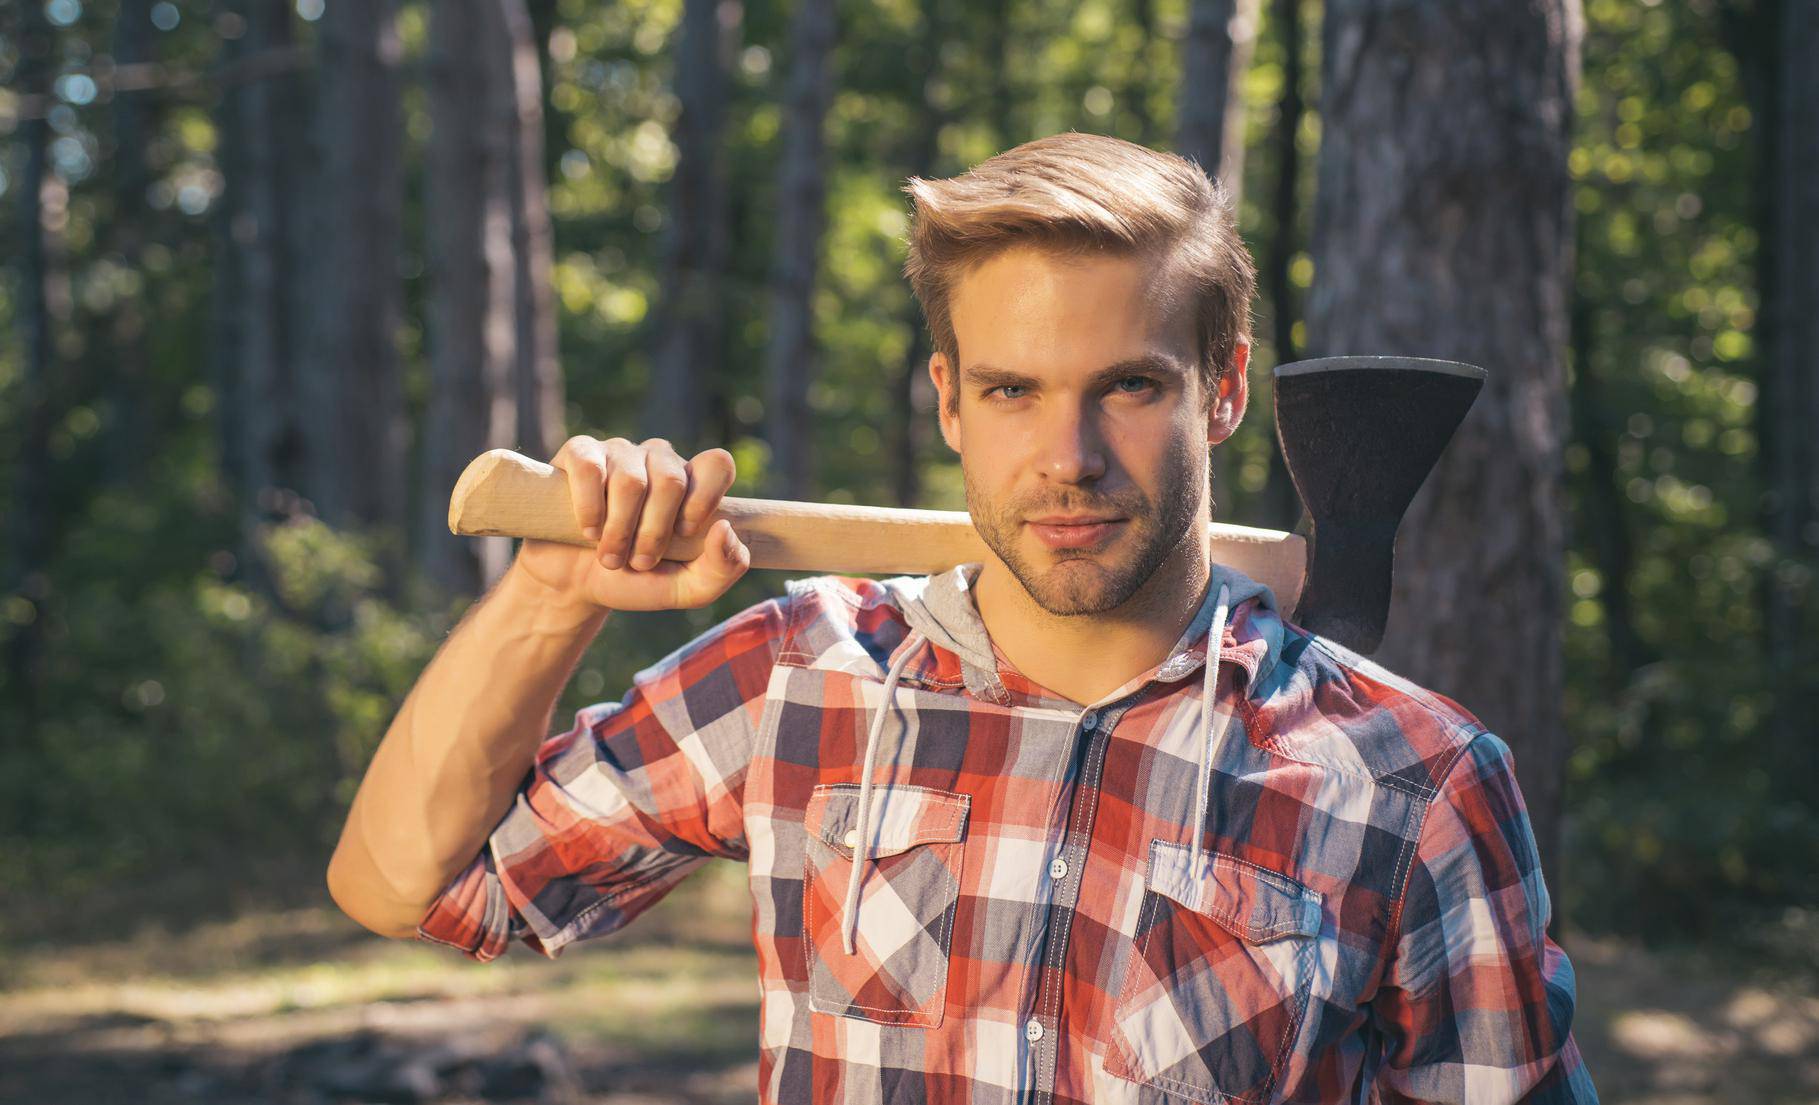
{"points": [[1144, 380], [1001, 387]]}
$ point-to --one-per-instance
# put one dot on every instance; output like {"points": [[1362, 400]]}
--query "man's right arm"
{"points": [[456, 753], [461, 745]]}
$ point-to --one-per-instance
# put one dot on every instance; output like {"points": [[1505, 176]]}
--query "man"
{"points": [[1000, 846]]}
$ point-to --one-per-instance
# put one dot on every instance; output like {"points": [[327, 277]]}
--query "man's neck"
{"points": [[1083, 658]]}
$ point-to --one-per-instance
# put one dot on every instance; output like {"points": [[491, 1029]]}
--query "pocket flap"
{"points": [[1251, 902], [901, 816]]}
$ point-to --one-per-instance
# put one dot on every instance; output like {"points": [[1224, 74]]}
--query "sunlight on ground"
{"points": [[672, 1001]]}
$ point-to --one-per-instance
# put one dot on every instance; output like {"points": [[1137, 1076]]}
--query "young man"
{"points": [[1086, 822]]}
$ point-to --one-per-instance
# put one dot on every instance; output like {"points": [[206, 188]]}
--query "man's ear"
{"points": [[1227, 408], [941, 372]]}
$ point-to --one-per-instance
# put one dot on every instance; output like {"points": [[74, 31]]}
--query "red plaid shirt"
{"points": [[1363, 918]]}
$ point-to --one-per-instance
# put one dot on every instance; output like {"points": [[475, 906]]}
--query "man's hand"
{"points": [[632, 499]]}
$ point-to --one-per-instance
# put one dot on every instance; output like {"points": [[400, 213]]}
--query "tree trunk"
{"points": [[1443, 228], [1221, 35], [1604, 513], [1790, 397], [265, 429], [536, 369], [29, 521], [801, 199], [1280, 506], [473, 304], [1137, 82], [911, 415], [690, 332], [1210, 130], [358, 433], [128, 444]]}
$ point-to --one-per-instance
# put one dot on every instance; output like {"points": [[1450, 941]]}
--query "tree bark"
{"points": [[473, 304], [910, 426], [359, 436], [128, 408], [1790, 397], [1221, 35], [265, 430], [1280, 506], [536, 370], [801, 217], [690, 332], [40, 194], [1443, 228]]}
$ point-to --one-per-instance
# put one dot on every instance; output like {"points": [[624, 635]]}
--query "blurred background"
{"points": [[275, 270]]}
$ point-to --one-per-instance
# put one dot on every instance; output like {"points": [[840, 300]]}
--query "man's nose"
{"points": [[1072, 449]]}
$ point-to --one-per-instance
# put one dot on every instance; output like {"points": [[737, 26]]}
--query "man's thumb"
{"points": [[732, 550]]}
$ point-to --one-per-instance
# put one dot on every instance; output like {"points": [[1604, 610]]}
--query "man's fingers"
{"points": [[710, 475], [583, 460], [626, 483], [668, 484]]}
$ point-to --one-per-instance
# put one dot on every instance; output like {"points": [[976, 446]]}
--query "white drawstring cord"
{"points": [[1212, 729], [849, 912]]}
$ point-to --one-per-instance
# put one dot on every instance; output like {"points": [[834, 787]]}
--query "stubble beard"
{"points": [[1084, 582]]}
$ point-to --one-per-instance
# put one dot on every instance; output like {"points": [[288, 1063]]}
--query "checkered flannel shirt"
{"points": [[1371, 926]]}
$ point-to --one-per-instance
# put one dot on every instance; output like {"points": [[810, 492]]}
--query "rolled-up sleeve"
{"points": [[1477, 1005], [620, 808]]}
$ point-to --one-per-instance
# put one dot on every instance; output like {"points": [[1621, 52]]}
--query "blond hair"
{"points": [[1072, 193]]}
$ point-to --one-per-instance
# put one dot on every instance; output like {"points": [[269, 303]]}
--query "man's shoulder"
{"points": [[831, 616], [1328, 704]]}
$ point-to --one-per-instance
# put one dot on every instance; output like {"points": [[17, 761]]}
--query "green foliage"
{"points": [[202, 699], [1683, 815]]}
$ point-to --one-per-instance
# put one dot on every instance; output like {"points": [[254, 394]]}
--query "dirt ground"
{"points": [[299, 1005]]}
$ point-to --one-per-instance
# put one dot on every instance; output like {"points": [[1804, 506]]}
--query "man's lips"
{"points": [[1075, 520], [1075, 535]]}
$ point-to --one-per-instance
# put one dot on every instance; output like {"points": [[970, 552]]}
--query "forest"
{"points": [[276, 270]]}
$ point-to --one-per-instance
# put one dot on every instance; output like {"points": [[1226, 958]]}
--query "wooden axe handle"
{"points": [[503, 493]]}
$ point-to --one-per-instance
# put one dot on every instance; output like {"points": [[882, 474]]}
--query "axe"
{"points": [[1359, 435]]}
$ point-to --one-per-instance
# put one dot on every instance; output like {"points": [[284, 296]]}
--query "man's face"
{"points": [[1079, 396]]}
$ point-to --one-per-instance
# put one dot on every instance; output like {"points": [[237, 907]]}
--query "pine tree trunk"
{"points": [[129, 442], [1790, 397], [472, 308], [29, 521], [910, 425], [257, 275], [1279, 507], [537, 370], [358, 436], [690, 335], [1443, 228], [801, 199], [1221, 36]]}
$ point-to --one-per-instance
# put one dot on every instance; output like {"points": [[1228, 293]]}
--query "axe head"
{"points": [[1359, 436]]}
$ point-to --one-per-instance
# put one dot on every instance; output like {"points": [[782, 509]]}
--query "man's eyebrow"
{"points": [[985, 375]]}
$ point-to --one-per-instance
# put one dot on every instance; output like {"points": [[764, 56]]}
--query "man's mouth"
{"points": [[1084, 534]]}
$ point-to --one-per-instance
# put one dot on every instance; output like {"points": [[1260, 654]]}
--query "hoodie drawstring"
{"points": [[849, 912], [1211, 730]]}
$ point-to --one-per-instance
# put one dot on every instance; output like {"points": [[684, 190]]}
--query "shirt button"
{"points": [[1033, 1030], [851, 839], [1057, 869], [1091, 719]]}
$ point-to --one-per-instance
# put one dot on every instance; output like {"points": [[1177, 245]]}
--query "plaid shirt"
{"points": [[1366, 922]]}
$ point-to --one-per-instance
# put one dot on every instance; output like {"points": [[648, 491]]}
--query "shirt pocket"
{"points": [[1216, 982], [897, 973]]}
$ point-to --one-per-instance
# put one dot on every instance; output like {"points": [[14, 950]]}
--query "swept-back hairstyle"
{"points": [[1075, 193]]}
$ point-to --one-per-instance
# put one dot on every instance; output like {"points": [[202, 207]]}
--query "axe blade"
{"points": [[1360, 436]]}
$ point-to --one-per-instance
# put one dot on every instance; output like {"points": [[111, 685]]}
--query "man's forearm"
{"points": [[452, 760]]}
